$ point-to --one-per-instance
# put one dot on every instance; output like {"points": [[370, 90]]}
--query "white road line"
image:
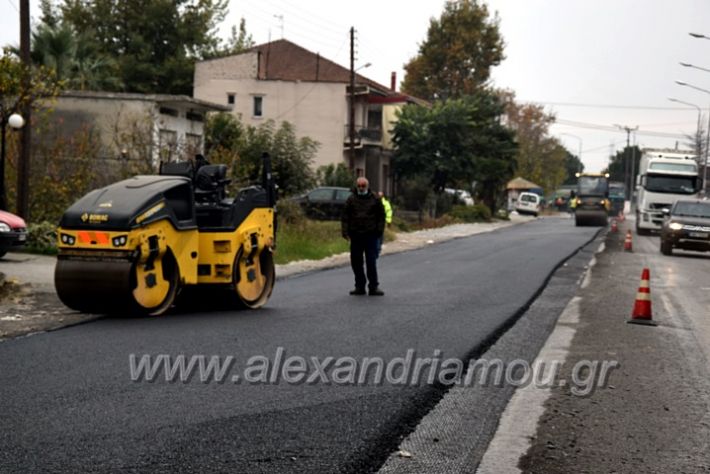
{"points": [[520, 419]]}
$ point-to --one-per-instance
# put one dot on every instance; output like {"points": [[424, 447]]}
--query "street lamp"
{"points": [[697, 133], [698, 35], [693, 66], [579, 155], [707, 138], [14, 121]]}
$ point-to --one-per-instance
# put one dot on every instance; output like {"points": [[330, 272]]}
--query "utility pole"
{"points": [[351, 130], [628, 166], [23, 167], [633, 169]]}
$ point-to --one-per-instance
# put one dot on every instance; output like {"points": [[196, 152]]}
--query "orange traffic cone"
{"points": [[614, 227], [628, 245], [621, 217], [641, 313]]}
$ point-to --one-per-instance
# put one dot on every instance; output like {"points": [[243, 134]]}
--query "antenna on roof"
{"points": [[281, 21]]}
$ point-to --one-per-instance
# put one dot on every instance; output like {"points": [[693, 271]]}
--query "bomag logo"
{"points": [[94, 218]]}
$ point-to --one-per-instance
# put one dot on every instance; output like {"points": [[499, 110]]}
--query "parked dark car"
{"points": [[13, 232], [686, 226], [326, 202]]}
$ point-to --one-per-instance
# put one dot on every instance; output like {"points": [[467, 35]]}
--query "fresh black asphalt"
{"points": [[68, 403]]}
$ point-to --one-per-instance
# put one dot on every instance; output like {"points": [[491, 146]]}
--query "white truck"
{"points": [[665, 175]]}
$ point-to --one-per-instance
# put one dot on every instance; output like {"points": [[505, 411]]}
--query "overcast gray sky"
{"points": [[592, 63]]}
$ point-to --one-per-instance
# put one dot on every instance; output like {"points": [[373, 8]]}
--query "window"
{"points": [[323, 194], [194, 116], [169, 111], [258, 106], [682, 167], [342, 194], [231, 99], [193, 144]]}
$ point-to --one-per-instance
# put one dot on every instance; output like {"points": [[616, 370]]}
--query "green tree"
{"points": [[240, 147], [335, 175], [21, 86], [74, 57], [455, 143], [573, 165], [541, 158], [618, 162], [458, 53], [238, 42], [156, 42]]}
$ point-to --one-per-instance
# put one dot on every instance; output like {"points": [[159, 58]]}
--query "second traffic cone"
{"points": [[621, 216], [614, 227], [641, 313], [628, 245]]}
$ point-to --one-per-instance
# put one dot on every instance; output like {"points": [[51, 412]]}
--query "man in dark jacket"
{"points": [[363, 222]]}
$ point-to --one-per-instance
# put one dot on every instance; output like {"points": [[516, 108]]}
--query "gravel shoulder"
{"points": [[29, 304]]}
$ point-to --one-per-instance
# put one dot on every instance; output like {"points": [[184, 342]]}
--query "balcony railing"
{"points": [[364, 136]]}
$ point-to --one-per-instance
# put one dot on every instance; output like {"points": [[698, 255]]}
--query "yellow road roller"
{"points": [[134, 245]]}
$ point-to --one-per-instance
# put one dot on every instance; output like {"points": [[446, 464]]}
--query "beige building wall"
{"points": [[389, 118], [317, 110]]}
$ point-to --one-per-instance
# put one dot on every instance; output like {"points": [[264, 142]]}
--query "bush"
{"points": [[476, 213], [42, 238], [433, 223], [400, 224], [444, 203], [289, 212]]}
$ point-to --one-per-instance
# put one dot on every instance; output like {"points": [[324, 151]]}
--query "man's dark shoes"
{"points": [[376, 292], [358, 291]]}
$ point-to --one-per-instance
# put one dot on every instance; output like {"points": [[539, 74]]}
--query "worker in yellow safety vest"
{"points": [[388, 218]]}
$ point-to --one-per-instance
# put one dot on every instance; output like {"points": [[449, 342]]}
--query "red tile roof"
{"points": [[284, 60]]}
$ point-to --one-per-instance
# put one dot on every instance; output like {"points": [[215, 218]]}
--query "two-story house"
{"points": [[285, 82]]}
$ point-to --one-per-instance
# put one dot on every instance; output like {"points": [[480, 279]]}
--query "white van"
{"points": [[528, 203]]}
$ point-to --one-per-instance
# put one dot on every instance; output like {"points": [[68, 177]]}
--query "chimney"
{"points": [[393, 81]]}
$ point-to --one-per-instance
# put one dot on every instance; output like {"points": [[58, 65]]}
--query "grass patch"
{"points": [[308, 240]]}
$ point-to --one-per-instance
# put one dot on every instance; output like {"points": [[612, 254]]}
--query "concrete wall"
{"points": [[124, 125]]}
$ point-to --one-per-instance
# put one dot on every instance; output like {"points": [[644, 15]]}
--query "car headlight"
{"points": [[675, 226], [4, 227]]}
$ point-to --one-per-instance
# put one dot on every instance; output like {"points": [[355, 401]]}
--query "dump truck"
{"points": [[134, 245], [591, 199]]}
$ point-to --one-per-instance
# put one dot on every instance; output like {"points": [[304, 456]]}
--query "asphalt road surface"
{"points": [[654, 415], [69, 403]]}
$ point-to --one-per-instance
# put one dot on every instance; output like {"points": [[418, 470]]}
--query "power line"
{"points": [[305, 27], [609, 128], [605, 106]]}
